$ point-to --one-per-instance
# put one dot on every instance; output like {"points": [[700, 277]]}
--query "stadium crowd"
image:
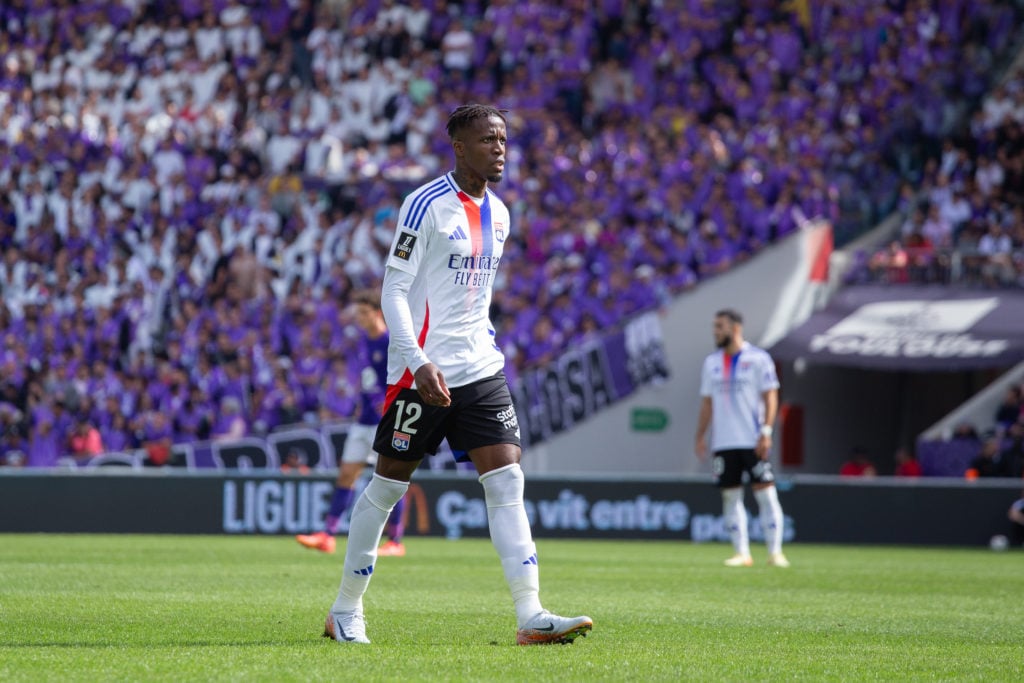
{"points": [[964, 222], [190, 190]]}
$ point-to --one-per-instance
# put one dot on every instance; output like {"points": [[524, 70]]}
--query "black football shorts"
{"points": [[728, 468], [480, 414]]}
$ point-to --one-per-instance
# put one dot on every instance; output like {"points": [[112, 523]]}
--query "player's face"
{"points": [[366, 317], [723, 329], [481, 148]]}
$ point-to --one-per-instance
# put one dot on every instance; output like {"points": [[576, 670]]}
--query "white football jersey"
{"points": [[736, 385], [451, 244]]}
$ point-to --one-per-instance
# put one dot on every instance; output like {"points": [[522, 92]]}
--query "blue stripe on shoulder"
{"points": [[413, 221], [419, 200]]}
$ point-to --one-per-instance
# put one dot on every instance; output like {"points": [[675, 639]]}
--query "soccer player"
{"points": [[739, 400], [445, 376], [358, 451]]}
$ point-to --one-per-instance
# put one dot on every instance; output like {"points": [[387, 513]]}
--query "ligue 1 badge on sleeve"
{"points": [[400, 441], [404, 245]]}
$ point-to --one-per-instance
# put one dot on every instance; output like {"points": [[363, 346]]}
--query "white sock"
{"points": [[771, 517], [512, 538], [369, 515], [735, 515]]}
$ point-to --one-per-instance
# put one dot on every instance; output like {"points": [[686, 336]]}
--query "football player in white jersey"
{"points": [[739, 400], [445, 377]]}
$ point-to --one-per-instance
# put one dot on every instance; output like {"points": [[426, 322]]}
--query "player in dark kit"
{"points": [[445, 376], [359, 452]]}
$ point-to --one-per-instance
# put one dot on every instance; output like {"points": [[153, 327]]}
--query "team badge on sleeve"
{"points": [[400, 441], [403, 248]]}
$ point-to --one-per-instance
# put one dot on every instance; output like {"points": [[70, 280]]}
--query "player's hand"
{"points": [[431, 386], [763, 447], [700, 447]]}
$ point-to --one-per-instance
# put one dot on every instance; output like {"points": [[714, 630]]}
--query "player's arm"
{"points": [[703, 422], [771, 409], [1016, 513], [394, 304]]}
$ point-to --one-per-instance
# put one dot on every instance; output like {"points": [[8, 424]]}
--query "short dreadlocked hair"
{"points": [[463, 116]]}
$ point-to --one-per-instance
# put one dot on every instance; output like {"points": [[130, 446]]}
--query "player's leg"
{"points": [[369, 515], [487, 428], [422, 428], [728, 470], [769, 510]]}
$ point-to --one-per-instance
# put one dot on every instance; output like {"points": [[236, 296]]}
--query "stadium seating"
{"points": [[188, 195]]}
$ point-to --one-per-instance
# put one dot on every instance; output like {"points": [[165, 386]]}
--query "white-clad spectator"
{"points": [[224, 107], [205, 84], [303, 121], [325, 33], [175, 37], [283, 149], [417, 20], [13, 272], [937, 229], [457, 47], [222, 190], [320, 105], [29, 206], [209, 39], [312, 207], [390, 13], [325, 154], [360, 88], [139, 189], [422, 127], [379, 129], [241, 34], [997, 246], [151, 83], [102, 293], [58, 202], [989, 175], [957, 211], [997, 107], [942, 192], [82, 54], [168, 162], [146, 33], [261, 216], [48, 75], [172, 195], [357, 118]]}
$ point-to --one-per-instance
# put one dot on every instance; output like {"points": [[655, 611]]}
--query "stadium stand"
{"points": [[964, 222], [189, 190]]}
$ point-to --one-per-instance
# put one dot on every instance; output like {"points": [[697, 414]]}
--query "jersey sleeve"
{"points": [[767, 378], [705, 378], [409, 244]]}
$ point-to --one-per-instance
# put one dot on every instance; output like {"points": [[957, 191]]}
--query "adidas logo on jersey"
{"points": [[458, 233]]}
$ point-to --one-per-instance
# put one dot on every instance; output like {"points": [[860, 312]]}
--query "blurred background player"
{"points": [[358, 451], [739, 400]]}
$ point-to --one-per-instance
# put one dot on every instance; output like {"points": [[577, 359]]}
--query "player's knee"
{"points": [[504, 486]]}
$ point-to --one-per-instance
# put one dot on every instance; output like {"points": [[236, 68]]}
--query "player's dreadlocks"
{"points": [[463, 116]]}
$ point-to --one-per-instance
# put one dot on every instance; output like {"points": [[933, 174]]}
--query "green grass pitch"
{"points": [[179, 608]]}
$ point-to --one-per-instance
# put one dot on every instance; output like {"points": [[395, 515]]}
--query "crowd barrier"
{"points": [[818, 509]]}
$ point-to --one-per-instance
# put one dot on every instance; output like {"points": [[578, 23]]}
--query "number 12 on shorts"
{"points": [[406, 416]]}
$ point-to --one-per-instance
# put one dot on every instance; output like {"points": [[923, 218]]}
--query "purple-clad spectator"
{"points": [[230, 424], [44, 440]]}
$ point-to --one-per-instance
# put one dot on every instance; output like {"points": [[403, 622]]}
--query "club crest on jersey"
{"points": [[403, 247], [499, 231], [400, 441]]}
